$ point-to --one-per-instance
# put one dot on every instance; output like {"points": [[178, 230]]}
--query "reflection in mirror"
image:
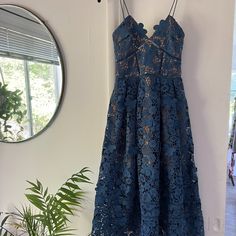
{"points": [[31, 75]]}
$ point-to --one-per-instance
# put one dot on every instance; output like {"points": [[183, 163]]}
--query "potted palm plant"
{"points": [[47, 214]]}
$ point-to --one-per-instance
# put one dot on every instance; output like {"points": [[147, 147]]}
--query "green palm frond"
{"points": [[4, 231], [54, 210]]}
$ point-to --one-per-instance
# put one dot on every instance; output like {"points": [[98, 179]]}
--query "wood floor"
{"points": [[230, 219]]}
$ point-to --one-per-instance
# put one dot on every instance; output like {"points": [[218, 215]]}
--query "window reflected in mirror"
{"points": [[31, 75]]}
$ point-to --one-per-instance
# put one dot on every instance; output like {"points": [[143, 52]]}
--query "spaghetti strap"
{"points": [[173, 5], [124, 5]]}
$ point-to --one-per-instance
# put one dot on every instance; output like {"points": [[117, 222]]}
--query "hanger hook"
{"points": [[99, 0]]}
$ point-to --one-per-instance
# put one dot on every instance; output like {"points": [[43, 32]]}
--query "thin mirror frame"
{"points": [[45, 25]]}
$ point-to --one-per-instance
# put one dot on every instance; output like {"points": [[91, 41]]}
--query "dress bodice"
{"points": [[158, 54]]}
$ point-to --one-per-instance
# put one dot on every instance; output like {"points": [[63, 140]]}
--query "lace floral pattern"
{"points": [[148, 183]]}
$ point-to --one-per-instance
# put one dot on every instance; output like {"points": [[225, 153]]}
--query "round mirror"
{"points": [[31, 75]]}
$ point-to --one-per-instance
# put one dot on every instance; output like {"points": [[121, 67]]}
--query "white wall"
{"points": [[75, 138], [84, 29]]}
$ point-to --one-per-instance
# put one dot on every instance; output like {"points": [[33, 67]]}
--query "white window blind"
{"points": [[24, 38]]}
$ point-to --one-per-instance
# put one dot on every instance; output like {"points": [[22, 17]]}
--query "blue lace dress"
{"points": [[148, 184]]}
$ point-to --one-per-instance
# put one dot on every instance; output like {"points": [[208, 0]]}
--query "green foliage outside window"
{"points": [[12, 113]]}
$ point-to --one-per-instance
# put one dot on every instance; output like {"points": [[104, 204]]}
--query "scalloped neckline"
{"points": [[155, 27], [143, 29]]}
